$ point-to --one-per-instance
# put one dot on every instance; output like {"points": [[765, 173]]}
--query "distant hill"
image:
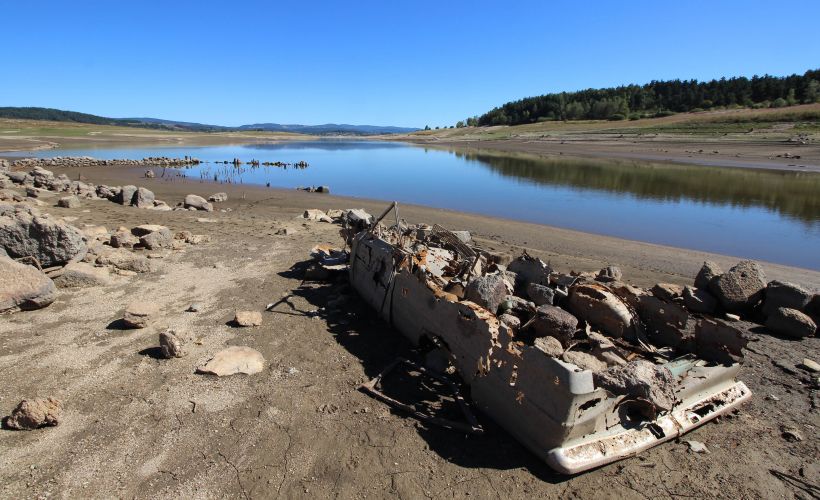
{"points": [[329, 129], [58, 115]]}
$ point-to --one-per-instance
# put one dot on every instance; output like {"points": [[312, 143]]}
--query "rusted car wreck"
{"points": [[582, 370]]}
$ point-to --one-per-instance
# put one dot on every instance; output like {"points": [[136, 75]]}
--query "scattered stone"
{"points": [[140, 314], [149, 174], [24, 232], [643, 379], [698, 300], [218, 197], [24, 287], [233, 360], [550, 346], [810, 365], [248, 318], [198, 203], [602, 309], [741, 288], [195, 307], [790, 433], [609, 274], [552, 321], [488, 291], [696, 446], [93, 232], [285, 231], [82, 275], [123, 239], [708, 272], [317, 215], [171, 345], [159, 238], [32, 414], [530, 270], [791, 323], [783, 294], [667, 291], [540, 294], [584, 361], [143, 198], [510, 320]]}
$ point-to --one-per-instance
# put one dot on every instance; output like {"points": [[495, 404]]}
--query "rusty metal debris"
{"points": [[372, 387], [615, 369]]}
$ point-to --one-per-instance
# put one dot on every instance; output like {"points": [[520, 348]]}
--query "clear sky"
{"points": [[383, 62]]}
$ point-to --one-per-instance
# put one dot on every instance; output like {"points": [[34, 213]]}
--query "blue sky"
{"points": [[383, 63]]}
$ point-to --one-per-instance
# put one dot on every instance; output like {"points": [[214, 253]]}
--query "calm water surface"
{"points": [[760, 214]]}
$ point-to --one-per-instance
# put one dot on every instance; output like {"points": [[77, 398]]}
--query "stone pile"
{"points": [[88, 161]]}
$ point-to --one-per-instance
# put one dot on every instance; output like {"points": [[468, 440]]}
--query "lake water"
{"points": [[759, 214]]}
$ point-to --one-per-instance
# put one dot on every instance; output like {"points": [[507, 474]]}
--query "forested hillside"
{"points": [[658, 98]]}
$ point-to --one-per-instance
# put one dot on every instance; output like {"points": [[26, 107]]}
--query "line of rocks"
{"points": [[88, 161]]}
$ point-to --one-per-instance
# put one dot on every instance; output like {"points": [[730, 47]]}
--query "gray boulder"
{"points": [[540, 294], [602, 309], [698, 300], [82, 275], [69, 202], [708, 272], [126, 195], [642, 379], [610, 273], [24, 287], [218, 197], [530, 270], [549, 346], [783, 294], [26, 233], [791, 323], [741, 288], [487, 291], [143, 198], [198, 203], [106, 192], [20, 178], [551, 321]]}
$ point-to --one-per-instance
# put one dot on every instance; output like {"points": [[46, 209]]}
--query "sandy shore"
{"points": [[140, 427]]}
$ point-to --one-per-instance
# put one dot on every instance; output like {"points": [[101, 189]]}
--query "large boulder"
{"points": [[488, 291], [791, 323], [126, 195], [198, 202], [551, 321], [24, 287], [24, 232], [82, 275], [740, 288], [602, 309], [540, 294], [218, 197], [641, 379], [783, 294], [154, 236], [698, 300], [530, 270], [69, 202], [143, 198]]}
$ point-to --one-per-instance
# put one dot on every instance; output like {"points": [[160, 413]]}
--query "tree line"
{"points": [[657, 98]]}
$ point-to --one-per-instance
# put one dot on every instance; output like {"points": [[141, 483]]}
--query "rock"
{"points": [[24, 287], [667, 291], [126, 195], [323, 189], [93, 232], [198, 203], [248, 318], [358, 217], [160, 206], [741, 288], [540, 294], [790, 433], [698, 300], [464, 236], [69, 202], [317, 215], [510, 320], [171, 345], [584, 361], [81, 275], [550, 346], [285, 231], [642, 379], [143, 198], [149, 174], [708, 272], [602, 309], [140, 314], [24, 232], [218, 197], [667, 323], [530, 270], [233, 360], [791, 323], [195, 307], [783, 294], [551, 321], [123, 239], [488, 291], [810, 365], [106, 192], [161, 238], [696, 446], [609, 274], [32, 414]]}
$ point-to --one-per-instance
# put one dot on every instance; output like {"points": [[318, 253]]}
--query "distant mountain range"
{"points": [[34, 113]]}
